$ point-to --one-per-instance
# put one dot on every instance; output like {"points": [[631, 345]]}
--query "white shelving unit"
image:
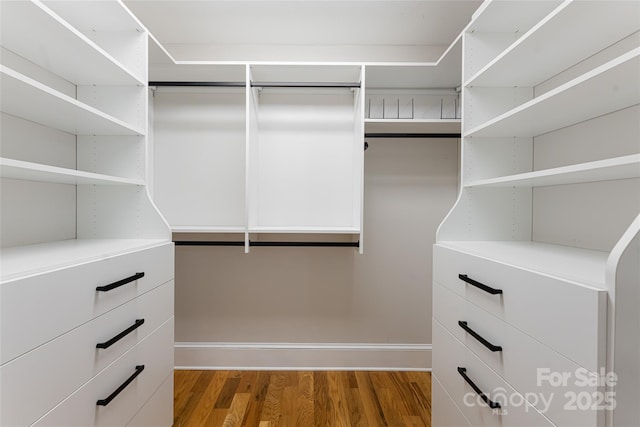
{"points": [[76, 213], [550, 159]]}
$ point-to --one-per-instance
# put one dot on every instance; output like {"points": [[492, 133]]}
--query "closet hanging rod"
{"points": [[412, 135], [304, 85], [198, 84], [268, 244]]}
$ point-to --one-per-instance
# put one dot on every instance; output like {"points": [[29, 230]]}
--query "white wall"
{"points": [[327, 307]]}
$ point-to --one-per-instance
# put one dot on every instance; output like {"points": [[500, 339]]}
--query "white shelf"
{"points": [[310, 230], [31, 100], [206, 229], [602, 170], [610, 87], [412, 126], [17, 169], [21, 261], [559, 41], [492, 15], [59, 48], [582, 266]]}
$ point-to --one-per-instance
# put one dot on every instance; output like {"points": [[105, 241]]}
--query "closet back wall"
{"points": [[327, 307]]}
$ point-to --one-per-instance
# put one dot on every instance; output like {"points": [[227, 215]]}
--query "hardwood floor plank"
{"points": [[208, 398], [370, 402], [305, 403], [236, 412], [301, 399]]}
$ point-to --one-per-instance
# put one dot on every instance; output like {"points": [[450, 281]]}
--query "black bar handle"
{"points": [[477, 336], [485, 399], [119, 283], [105, 402], [492, 291], [112, 341]]}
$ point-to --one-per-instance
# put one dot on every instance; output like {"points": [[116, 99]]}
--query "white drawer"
{"points": [[39, 308], [566, 316], [158, 411], [450, 355], [525, 363], [69, 361], [444, 412], [154, 353]]}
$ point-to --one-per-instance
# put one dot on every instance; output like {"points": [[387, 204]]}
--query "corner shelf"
{"points": [[17, 169], [207, 229], [602, 170], [583, 98], [309, 230], [31, 100], [65, 51], [547, 43]]}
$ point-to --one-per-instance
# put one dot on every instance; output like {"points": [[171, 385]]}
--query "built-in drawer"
{"points": [[158, 411], [114, 396], [466, 379], [566, 316], [34, 383], [444, 412], [36, 309], [532, 368]]}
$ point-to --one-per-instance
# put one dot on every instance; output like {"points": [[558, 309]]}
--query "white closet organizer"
{"points": [[87, 261], [535, 262], [276, 149]]}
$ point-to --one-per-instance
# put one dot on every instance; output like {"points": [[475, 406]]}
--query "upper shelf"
{"points": [[610, 87], [52, 43], [18, 169], [499, 16], [26, 98], [601, 170], [570, 34]]}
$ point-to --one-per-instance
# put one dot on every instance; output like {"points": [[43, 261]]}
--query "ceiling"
{"points": [[362, 23]]}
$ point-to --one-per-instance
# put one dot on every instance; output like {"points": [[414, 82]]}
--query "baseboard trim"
{"points": [[313, 356]]}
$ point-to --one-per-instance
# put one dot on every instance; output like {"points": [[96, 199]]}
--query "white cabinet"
{"points": [[272, 149], [549, 201], [76, 215]]}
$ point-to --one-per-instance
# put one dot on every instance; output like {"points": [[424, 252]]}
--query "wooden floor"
{"points": [[301, 398]]}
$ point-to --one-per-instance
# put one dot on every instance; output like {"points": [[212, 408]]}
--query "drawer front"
{"points": [[526, 364], [158, 411], [450, 355], [39, 308], [71, 360], [444, 412], [537, 304], [80, 409]]}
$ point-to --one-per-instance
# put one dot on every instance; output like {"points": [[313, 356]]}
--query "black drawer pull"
{"points": [[485, 399], [120, 282], [492, 291], [477, 336], [105, 402], [112, 341]]}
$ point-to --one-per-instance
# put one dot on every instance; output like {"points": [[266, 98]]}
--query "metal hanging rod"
{"points": [[199, 84], [412, 135], [304, 85], [268, 244]]}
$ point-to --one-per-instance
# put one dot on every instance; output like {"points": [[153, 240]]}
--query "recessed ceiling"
{"points": [[304, 22]]}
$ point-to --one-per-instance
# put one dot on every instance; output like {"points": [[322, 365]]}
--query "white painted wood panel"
{"points": [[156, 412], [80, 409], [26, 397], [523, 289], [514, 410], [74, 298]]}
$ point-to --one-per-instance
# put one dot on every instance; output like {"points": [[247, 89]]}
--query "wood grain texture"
{"points": [[302, 399]]}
